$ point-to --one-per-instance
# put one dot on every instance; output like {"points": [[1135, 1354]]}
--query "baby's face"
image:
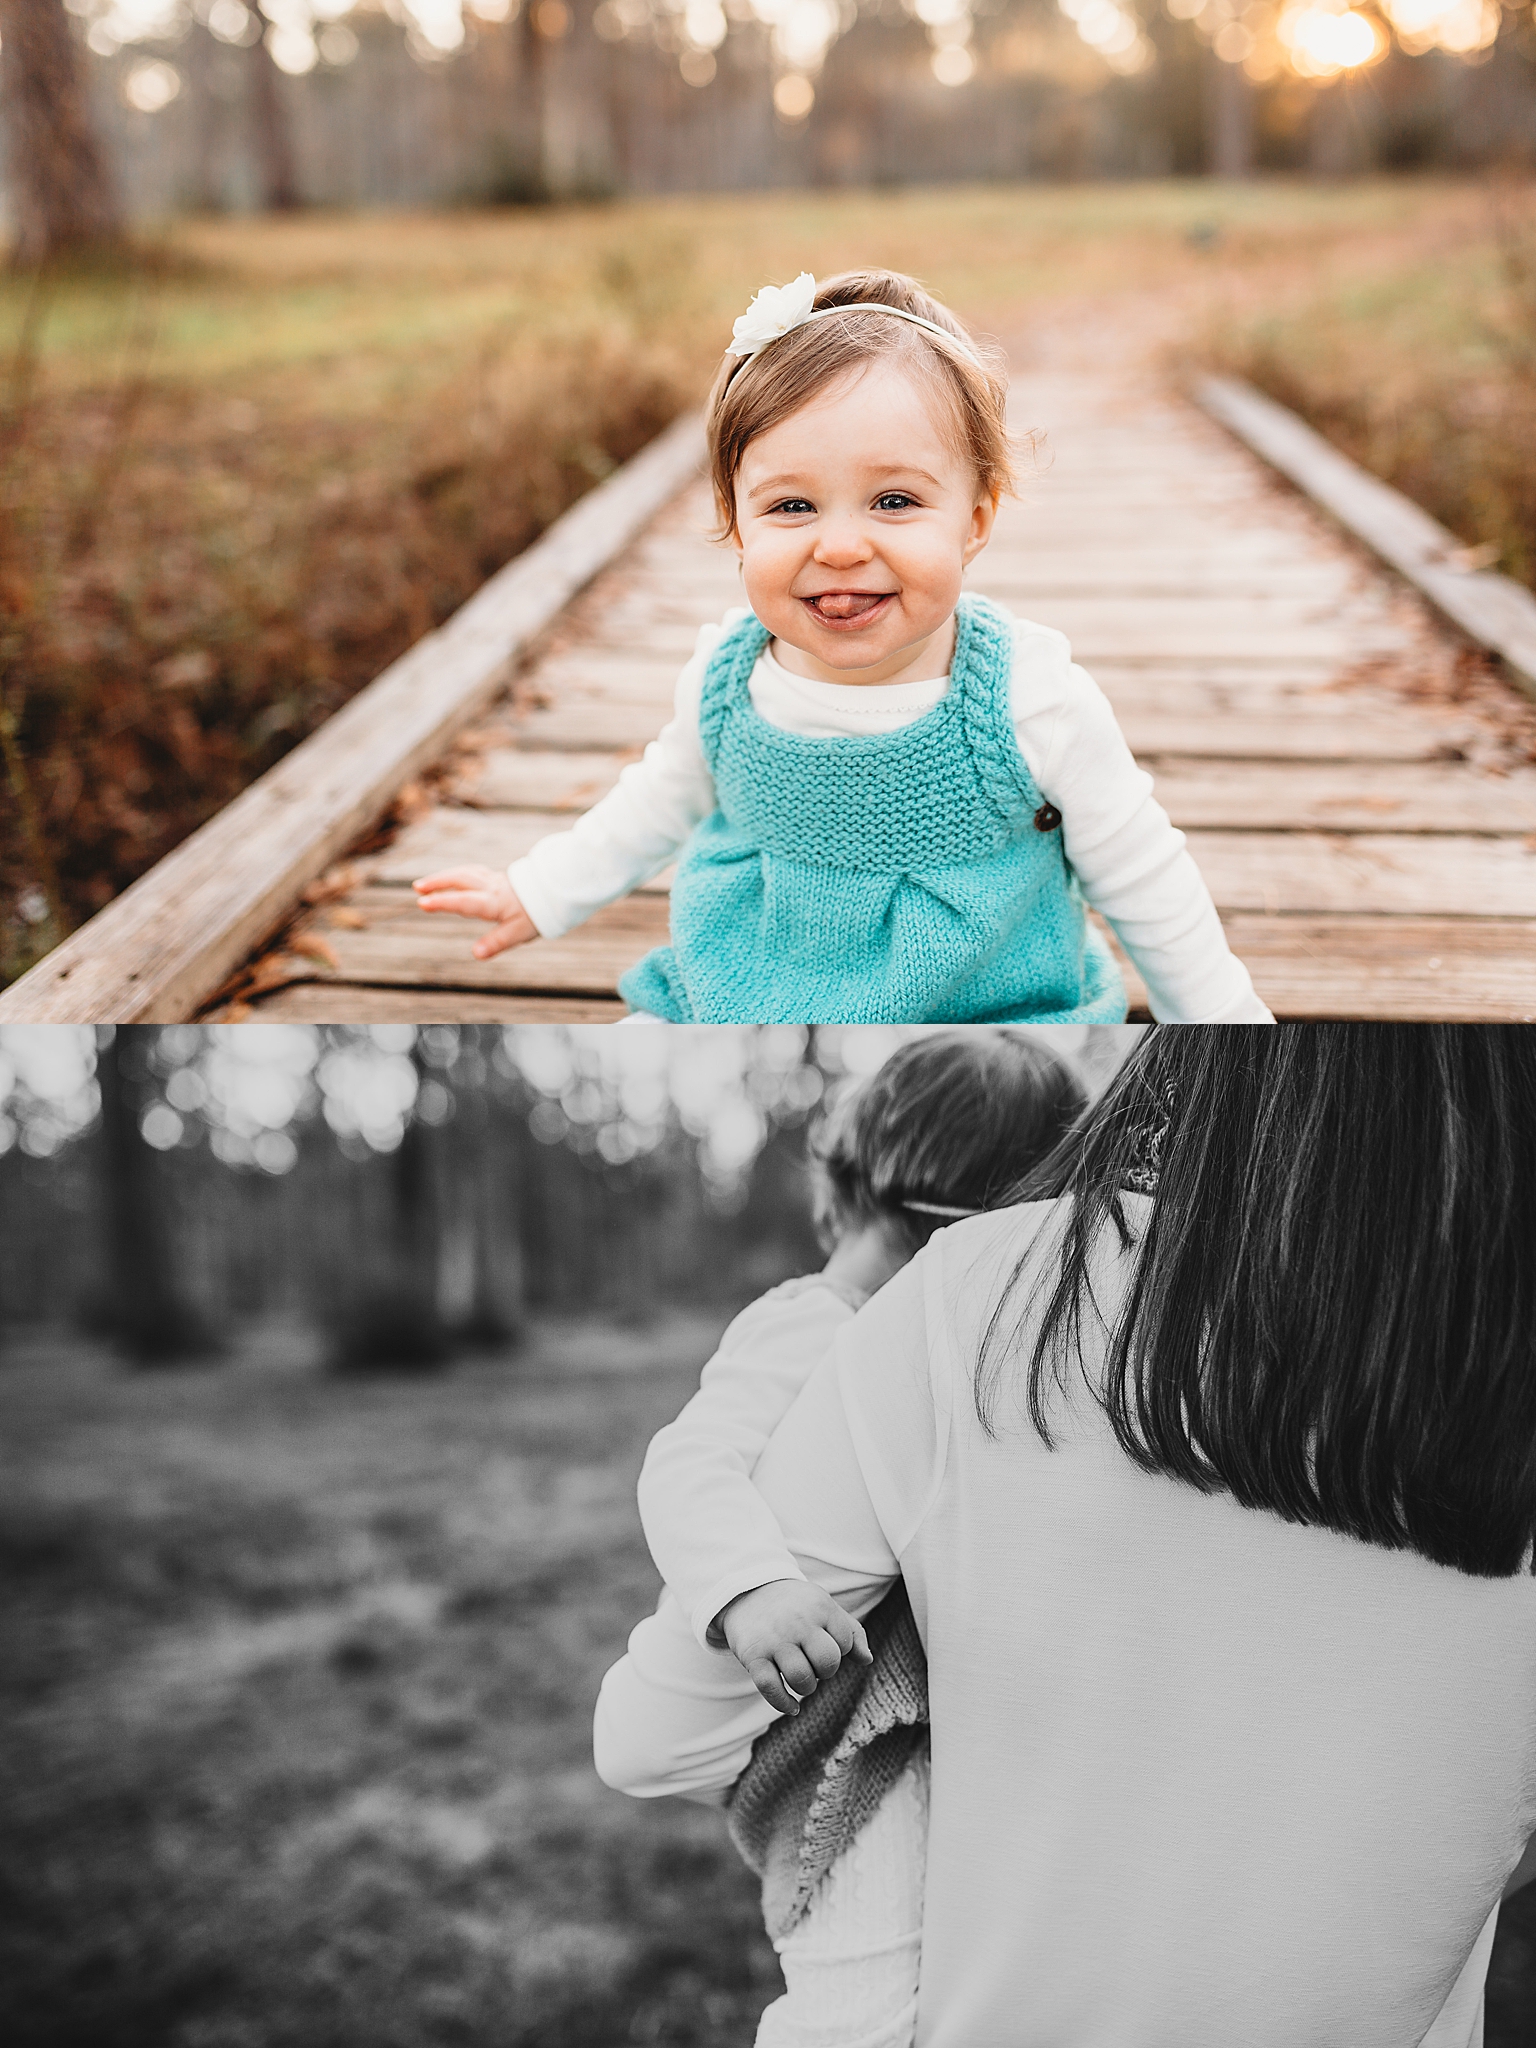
{"points": [[856, 519]]}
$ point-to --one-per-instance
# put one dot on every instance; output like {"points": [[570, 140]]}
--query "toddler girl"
{"points": [[832, 1810], [891, 798]]}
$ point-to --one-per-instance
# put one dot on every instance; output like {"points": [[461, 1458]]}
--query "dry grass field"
{"points": [[235, 482], [297, 1695]]}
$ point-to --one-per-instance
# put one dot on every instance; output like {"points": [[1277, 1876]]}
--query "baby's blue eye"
{"points": [[893, 501], [794, 505]]}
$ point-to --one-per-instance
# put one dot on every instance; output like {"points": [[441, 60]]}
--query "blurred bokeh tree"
{"points": [[143, 1308], [62, 201]]}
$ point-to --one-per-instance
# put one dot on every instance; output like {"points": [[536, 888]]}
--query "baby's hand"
{"points": [[479, 892], [788, 1636]]}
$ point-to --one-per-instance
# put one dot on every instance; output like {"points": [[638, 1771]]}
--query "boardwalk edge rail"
{"points": [[159, 951], [1496, 612]]}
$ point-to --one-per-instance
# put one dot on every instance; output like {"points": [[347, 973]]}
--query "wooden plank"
{"points": [[1319, 733], [1246, 869], [1435, 970], [508, 778], [1343, 796], [1495, 611], [399, 946], [348, 1003], [1398, 874], [447, 836], [162, 948]]}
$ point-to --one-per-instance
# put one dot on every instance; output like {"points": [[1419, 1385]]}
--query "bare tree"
{"points": [[388, 1313], [271, 132], [1229, 94], [62, 198], [145, 1311]]}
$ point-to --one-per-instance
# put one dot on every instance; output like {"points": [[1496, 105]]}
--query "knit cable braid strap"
{"points": [[814, 1780], [876, 879]]}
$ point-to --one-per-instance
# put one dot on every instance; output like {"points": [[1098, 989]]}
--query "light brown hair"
{"points": [[754, 393]]}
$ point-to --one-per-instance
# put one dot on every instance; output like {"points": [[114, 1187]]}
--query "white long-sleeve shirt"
{"points": [[851, 1964], [1200, 1776], [1132, 863], [710, 1531]]}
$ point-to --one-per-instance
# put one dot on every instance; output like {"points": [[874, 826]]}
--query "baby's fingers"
{"points": [[451, 878], [797, 1671], [849, 1636], [764, 1674], [499, 937], [465, 902], [822, 1652]]}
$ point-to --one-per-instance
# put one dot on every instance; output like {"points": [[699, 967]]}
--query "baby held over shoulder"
{"points": [[892, 802]]}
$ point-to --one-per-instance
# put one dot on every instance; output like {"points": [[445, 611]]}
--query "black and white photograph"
{"points": [[836, 1537]]}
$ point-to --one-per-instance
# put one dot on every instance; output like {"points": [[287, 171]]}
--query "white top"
{"points": [[1132, 864], [710, 1531], [1200, 1776]]}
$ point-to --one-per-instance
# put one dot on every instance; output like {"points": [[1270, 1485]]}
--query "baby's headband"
{"points": [[939, 1209], [780, 309]]}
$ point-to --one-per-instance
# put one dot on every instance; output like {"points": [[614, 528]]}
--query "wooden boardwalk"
{"points": [[1365, 821]]}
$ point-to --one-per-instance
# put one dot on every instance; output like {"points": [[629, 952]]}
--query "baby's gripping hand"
{"points": [[479, 892], [788, 1636]]}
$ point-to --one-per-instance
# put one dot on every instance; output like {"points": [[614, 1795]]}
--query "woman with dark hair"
{"points": [[1211, 1473]]}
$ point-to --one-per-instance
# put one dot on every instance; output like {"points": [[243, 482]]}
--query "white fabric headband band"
{"points": [[939, 1209], [780, 309]]}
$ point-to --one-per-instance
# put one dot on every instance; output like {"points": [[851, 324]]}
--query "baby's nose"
{"points": [[843, 543]]}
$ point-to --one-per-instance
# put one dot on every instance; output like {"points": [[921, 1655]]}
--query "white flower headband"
{"points": [[781, 308]]}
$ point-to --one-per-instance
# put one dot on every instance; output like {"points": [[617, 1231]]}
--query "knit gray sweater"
{"points": [[815, 1778]]}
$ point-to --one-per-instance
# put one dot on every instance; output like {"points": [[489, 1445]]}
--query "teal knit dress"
{"points": [[899, 878]]}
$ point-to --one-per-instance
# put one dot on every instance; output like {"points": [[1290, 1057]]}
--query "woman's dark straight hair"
{"points": [[1332, 1312]]}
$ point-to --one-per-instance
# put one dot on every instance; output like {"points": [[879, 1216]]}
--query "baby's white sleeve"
{"points": [[1131, 861], [709, 1529], [631, 833]]}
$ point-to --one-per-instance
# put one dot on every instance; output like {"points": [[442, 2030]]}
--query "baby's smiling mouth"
{"points": [[844, 607]]}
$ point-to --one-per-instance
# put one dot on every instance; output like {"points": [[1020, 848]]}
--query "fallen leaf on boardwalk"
{"points": [[348, 920], [234, 1013], [411, 800], [314, 947], [1468, 561], [1530, 844], [270, 972], [335, 882]]}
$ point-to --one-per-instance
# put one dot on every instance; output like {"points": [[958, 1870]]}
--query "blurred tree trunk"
{"points": [[483, 1213], [209, 118], [1331, 142], [62, 197], [533, 82], [271, 133], [390, 1317], [145, 1312], [1229, 102]]}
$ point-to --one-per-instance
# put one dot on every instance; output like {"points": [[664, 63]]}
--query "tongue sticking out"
{"points": [[848, 604]]}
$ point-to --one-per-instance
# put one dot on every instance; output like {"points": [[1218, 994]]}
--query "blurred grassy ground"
{"points": [[297, 1697], [236, 482], [296, 1702]]}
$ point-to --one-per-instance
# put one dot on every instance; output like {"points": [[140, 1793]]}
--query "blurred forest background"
{"points": [[327, 1362], [317, 313]]}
